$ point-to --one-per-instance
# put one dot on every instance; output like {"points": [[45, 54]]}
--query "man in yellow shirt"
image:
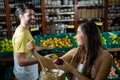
{"points": [[25, 65]]}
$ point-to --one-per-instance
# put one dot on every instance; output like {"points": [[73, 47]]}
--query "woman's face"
{"points": [[80, 36]]}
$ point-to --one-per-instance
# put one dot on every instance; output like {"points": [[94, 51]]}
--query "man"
{"points": [[25, 65]]}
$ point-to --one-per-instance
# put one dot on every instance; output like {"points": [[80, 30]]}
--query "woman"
{"points": [[89, 61]]}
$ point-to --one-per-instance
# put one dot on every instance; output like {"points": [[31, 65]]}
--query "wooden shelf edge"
{"points": [[6, 59], [113, 49]]}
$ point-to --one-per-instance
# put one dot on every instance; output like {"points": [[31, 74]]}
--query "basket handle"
{"points": [[45, 63], [38, 57]]}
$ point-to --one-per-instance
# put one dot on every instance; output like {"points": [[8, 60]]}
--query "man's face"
{"points": [[29, 17]]}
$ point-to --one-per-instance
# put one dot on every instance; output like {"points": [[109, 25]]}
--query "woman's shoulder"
{"points": [[106, 53], [68, 56], [73, 50], [103, 55]]}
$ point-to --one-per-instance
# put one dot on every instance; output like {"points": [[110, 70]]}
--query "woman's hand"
{"points": [[31, 46], [65, 66]]}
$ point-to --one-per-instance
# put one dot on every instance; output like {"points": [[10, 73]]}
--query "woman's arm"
{"points": [[66, 57], [70, 68], [79, 75], [69, 55], [101, 75], [103, 72]]}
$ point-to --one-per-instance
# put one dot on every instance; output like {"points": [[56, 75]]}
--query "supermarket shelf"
{"points": [[113, 49], [59, 6], [6, 59]]}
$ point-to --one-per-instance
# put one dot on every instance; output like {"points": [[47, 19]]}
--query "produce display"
{"points": [[111, 39], [6, 48], [57, 42], [114, 37], [104, 41], [6, 45], [62, 43]]}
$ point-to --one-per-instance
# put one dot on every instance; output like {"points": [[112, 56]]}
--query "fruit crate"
{"points": [[111, 39], [114, 36], [6, 54], [6, 49], [56, 49], [105, 40], [113, 78]]}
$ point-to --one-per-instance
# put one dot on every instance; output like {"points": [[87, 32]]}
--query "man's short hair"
{"points": [[20, 9]]}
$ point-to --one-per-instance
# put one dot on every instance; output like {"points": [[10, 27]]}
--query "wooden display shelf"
{"points": [[10, 59], [6, 59], [114, 50]]}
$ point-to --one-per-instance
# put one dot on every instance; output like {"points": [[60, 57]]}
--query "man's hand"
{"points": [[51, 56], [31, 46], [49, 47]]}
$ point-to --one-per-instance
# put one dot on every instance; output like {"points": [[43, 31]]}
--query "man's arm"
{"points": [[24, 61], [31, 46], [39, 48]]}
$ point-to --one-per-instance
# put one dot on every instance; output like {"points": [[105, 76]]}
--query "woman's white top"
{"points": [[79, 68]]}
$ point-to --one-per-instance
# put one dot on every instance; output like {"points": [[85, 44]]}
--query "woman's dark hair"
{"points": [[92, 32], [20, 9], [91, 47]]}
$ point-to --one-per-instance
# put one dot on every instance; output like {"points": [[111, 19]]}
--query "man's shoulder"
{"points": [[20, 32]]}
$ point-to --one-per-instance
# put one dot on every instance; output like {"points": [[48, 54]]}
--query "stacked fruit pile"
{"points": [[111, 39], [57, 42], [6, 49], [6, 45], [61, 42], [115, 38], [104, 41]]}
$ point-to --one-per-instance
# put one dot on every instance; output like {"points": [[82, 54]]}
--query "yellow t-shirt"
{"points": [[20, 39]]}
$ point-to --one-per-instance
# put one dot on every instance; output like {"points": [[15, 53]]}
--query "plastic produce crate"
{"points": [[56, 50]]}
